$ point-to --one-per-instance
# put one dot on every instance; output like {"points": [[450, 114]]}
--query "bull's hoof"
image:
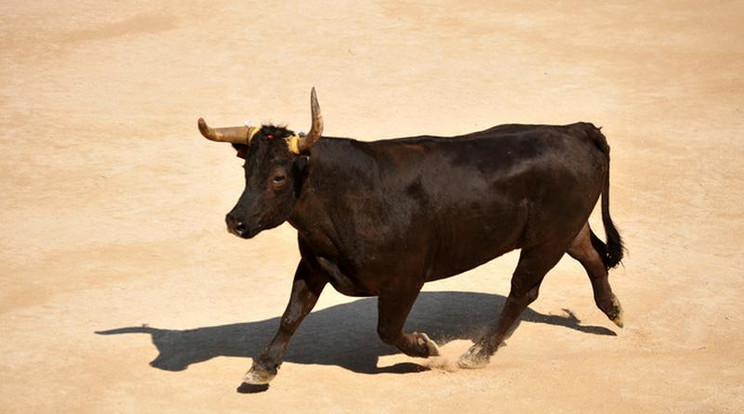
{"points": [[258, 377], [431, 347], [618, 311], [474, 358]]}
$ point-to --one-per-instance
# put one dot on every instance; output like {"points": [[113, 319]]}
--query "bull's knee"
{"points": [[532, 294], [524, 296], [524, 291]]}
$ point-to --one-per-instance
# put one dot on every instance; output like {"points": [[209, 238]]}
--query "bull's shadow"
{"points": [[343, 335]]}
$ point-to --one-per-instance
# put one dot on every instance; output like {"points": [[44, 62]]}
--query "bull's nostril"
{"points": [[235, 226]]}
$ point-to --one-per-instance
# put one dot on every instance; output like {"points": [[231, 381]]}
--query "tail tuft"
{"points": [[612, 253], [615, 249]]}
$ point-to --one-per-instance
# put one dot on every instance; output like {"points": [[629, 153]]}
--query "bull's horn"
{"points": [[316, 130], [235, 135]]}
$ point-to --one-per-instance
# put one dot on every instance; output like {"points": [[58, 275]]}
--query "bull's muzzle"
{"points": [[239, 228]]}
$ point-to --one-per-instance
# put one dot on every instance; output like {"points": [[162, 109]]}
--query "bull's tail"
{"points": [[615, 249], [612, 252]]}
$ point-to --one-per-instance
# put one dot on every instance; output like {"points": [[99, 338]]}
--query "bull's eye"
{"points": [[278, 179]]}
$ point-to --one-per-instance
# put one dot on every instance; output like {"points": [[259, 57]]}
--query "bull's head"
{"points": [[273, 171]]}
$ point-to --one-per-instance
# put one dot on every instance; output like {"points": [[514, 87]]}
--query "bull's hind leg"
{"points": [[584, 251], [393, 306], [533, 264]]}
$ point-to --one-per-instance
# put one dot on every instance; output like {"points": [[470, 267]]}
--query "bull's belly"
{"points": [[470, 243], [436, 258], [405, 269], [429, 251], [448, 264]]}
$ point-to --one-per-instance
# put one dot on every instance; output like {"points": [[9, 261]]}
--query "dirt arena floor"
{"points": [[123, 293]]}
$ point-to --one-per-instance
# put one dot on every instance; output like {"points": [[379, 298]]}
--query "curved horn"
{"points": [[317, 126], [235, 135]]}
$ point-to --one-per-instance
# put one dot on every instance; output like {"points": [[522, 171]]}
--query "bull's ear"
{"points": [[242, 150], [300, 168], [301, 164]]}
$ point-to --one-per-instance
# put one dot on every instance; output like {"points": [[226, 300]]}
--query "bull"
{"points": [[382, 218]]}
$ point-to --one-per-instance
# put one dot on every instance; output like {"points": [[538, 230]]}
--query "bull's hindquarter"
{"points": [[383, 218]]}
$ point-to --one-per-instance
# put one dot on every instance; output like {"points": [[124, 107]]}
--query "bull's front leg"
{"points": [[393, 306], [306, 289]]}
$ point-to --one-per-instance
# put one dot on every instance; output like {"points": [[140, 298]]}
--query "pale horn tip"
{"points": [[205, 130]]}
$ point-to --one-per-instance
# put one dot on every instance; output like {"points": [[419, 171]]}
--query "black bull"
{"points": [[383, 218]]}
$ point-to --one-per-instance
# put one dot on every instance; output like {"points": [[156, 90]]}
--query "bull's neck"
{"points": [[337, 168]]}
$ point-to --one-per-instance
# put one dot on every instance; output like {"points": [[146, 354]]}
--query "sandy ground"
{"points": [[111, 215]]}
